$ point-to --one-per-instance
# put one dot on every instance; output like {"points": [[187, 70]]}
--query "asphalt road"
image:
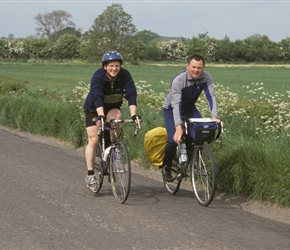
{"points": [[46, 205]]}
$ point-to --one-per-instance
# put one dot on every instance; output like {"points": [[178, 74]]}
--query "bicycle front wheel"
{"points": [[120, 171], [98, 168], [203, 174]]}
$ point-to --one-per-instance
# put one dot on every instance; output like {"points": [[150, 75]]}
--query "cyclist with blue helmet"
{"points": [[109, 86]]}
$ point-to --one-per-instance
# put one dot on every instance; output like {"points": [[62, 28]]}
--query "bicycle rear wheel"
{"points": [[203, 174], [120, 171], [172, 187], [98, 168]]}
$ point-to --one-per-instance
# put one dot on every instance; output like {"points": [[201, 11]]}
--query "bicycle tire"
{"points": [[98, 168], [172, 187], [203, 174], [120, 171]]}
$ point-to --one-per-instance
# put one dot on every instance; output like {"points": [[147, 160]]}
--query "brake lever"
{"points": [[222, 126], [137, 127], [185, 126]]}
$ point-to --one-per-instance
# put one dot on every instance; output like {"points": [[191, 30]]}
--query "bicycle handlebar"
{"points": [[138, 126]]}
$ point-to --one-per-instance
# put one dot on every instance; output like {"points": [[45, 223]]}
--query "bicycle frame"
{"points": [[113, 127]]}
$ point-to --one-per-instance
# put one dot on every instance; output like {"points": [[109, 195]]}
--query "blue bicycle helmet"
{"points": [[112, 56]]}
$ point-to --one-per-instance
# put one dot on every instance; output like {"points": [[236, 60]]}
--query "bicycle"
{"points": [[114, 160], [197, 162]]}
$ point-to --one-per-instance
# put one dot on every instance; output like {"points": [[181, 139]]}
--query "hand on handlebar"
{"points": [[219, 123], [220, 126], [137, 118], [100, 120]]}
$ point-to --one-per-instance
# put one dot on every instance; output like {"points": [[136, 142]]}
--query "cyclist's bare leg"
{"points": [[115, 114], [90, 151]]}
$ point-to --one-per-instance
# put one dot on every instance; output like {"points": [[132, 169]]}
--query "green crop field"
{"points": [[61, 78]]}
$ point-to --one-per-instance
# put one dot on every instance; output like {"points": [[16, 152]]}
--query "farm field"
{"points": [[61, 78]]}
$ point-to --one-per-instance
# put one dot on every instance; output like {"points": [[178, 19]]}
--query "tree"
{"points": [[67, 47], [15, 49], [260, 48], [152, 51], [224, 50], [112, 30], [195, 46], [210, 46], [53, 22], [146, 36], [284, 49], [66, 31], [173, 50], [38, 48], [239, 51], [3, 43]]}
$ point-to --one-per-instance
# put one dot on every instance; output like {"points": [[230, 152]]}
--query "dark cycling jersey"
{"points": [[110, 93]]}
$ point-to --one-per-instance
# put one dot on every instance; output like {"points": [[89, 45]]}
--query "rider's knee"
{"points": [[93, 141]]}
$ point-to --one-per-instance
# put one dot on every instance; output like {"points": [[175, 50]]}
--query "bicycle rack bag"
{"points": [[155, 141], [202, 129]]}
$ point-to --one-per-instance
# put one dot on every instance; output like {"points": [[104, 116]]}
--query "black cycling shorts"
{"points": [[90, 118]]}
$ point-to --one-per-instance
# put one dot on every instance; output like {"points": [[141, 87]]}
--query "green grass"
{"points": [[54, 78], [274, 78], [256, 168], [60, 78]]}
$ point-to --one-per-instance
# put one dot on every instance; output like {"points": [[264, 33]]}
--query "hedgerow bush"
{"points": [[38, 114]]}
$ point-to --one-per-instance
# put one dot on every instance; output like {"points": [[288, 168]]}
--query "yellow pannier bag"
{"points": [[155, 141]]}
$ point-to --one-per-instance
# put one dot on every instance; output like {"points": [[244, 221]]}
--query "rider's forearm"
{"points": [[133, 110], [100, 111]]}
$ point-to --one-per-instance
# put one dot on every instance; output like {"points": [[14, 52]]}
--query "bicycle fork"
{"points": [[108, 161]]}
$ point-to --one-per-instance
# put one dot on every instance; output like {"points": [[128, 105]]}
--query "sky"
{"points": [[173, 18]]}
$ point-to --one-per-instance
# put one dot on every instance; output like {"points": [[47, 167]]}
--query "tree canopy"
{"points": [[112, 30], [146, 36], [52, 22]]}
